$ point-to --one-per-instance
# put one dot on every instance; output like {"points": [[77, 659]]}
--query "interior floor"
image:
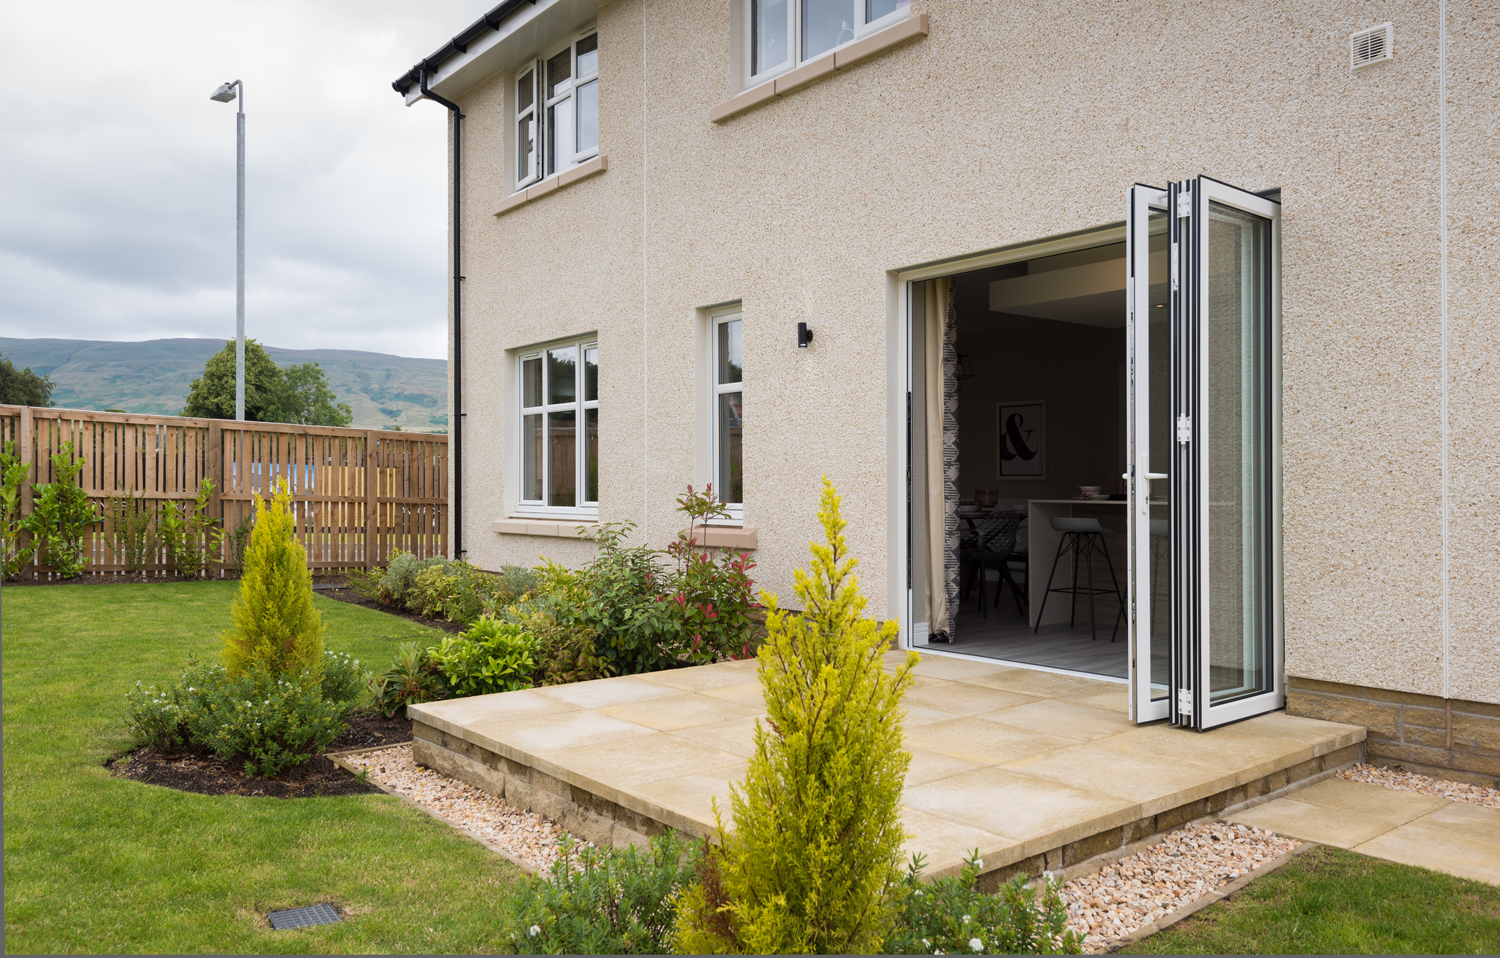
{"points": [[1005, 634]]}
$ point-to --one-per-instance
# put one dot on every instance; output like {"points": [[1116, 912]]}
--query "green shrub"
{"points": [[185, 531], [565, 652], [412, 679], [61, 513], [269, 721], [712, 590], [13, 473], [952, 916], [132, 531], [812, 862], [277, 629], [492, 656], [401, 577], [230, 544], [611, 901]]}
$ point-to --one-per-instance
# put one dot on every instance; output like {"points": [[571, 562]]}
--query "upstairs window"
{"points": [[557, 111], [560, 429], [781, 34]]}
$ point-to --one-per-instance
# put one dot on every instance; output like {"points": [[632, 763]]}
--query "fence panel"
{"points": [[359, 495]]}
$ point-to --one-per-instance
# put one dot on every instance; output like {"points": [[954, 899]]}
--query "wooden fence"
{"points": [[360, 494]]}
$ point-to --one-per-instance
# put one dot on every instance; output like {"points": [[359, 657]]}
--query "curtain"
{"points": [[940, 435]]}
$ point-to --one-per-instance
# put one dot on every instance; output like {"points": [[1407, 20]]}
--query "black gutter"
{"points": [[456, 444], [457, 45]]}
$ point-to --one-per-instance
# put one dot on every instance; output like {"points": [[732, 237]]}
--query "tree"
{"points": [[297, 394], [22, 387], [277, 628], [306, 398], [212, 394], [812, 864]]}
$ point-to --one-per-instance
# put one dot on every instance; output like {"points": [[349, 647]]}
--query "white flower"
{"points": [[966, 919], [979, 863], [976, 945], [535, 930], [926, 943]]}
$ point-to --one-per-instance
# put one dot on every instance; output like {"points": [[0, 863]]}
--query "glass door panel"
{"points": [[1148, 357], [1225, 523]]}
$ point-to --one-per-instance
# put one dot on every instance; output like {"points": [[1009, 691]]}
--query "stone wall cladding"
{"points": [[1447, 738]]}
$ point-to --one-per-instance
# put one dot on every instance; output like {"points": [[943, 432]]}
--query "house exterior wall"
{"points": [[1013, 122]]}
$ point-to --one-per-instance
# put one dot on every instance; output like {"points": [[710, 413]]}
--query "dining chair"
{"points": [[994, 546]]}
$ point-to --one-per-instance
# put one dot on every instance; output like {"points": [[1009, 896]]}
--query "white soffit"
{"points": [[524, 34], [1092, 294]]}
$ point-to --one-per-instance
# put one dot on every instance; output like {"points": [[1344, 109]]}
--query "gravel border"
{"points": [[525, 838], [1398, 778], [1161, 884]]}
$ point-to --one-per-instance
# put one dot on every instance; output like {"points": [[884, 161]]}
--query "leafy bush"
{"points": [[412, 679], [277, 629], [565, 652], [131, 531], [454, 591], [184, 529], [60, 514], [400, 578], [611, 901], [13, 473], [269, 721], [492, 656], [812, 862], [952, 916], [712, 590]]}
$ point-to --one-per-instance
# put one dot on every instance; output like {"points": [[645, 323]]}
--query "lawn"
{"points": [[1331, 902], [95, 863]]}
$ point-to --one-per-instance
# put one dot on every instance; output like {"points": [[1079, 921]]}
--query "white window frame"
{"points": [[580, 405], [716, 322], [795, 58], [568, 156]]}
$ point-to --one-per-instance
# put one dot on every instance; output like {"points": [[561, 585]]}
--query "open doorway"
{"points": [[1019, 439]]}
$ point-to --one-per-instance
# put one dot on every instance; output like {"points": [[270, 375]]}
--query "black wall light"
{"points": [[804, 335]]}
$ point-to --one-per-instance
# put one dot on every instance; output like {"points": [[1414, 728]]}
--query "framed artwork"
{"points": [[1021, 439]]}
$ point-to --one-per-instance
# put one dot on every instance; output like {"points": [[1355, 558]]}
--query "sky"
{"points": [[117, 172]]}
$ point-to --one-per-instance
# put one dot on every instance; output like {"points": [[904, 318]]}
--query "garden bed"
{"points": [[318, 777]]}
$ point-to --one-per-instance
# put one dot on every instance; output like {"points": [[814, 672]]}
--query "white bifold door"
{"points": [[1203, 355]]}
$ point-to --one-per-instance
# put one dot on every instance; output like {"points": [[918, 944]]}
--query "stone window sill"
{"points": [[557, 528], [876, 43], [728, 537], [531, 194]]}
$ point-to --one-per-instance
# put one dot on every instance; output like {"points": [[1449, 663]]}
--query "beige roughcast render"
{"points": [[1033, 769]]}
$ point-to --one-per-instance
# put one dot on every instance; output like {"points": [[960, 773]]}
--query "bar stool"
{"points": [[1082, 537]]}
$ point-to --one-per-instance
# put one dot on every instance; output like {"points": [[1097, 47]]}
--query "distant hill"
{"points": [[153, 377]]}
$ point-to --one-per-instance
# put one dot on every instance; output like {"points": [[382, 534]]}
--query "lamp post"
{"points": [[225, 94]]}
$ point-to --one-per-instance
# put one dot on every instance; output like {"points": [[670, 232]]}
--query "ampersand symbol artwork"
{"points": [[1015, 441]]}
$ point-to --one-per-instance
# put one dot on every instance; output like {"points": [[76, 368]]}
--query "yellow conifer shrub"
{"points": [[276, 626], [812, 865]]}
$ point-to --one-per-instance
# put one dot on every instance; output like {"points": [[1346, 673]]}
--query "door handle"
{"points": [[1149, 475]]}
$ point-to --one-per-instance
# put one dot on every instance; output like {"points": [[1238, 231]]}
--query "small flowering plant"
{"points": [[712, 591], [953, 916], [268, 721]]}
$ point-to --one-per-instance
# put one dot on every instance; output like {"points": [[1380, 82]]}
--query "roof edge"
{"points": [[459, 44]]}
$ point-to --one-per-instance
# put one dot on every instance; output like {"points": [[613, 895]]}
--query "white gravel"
{"points": [[527, 836], [1156, 881], [1399, 778]]}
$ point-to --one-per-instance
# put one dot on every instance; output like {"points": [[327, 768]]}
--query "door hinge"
{"points": [[1184, 204], [1185, 703], [1184, 429]]}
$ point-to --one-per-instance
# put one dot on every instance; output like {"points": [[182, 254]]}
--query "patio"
{"points": [[1034, 769]]}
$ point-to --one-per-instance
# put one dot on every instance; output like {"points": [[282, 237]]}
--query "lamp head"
{"points": [[223, 94]]}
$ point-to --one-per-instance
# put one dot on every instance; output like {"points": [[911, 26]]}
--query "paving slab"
{"points": [[678, 711], [976, 740], [1082, 723], [648, 758], [1439, 849], [601, 692], [1158, 786], [1036, 684], [1338, 812], [959, 697]]}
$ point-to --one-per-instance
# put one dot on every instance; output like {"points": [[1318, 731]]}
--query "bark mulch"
{"points": [[317, 777], [342, 593]]}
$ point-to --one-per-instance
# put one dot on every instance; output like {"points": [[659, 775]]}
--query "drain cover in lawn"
{"points": [[302, 917]]}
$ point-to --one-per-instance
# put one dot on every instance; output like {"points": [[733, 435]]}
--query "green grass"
{"points": [[95, 863], [1330, 901]]}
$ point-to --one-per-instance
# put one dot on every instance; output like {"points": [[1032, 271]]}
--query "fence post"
{"points": [[25, 444], [215, 472], [372, 498]]}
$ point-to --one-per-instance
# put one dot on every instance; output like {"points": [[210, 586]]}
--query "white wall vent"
{"points": [[1371, 46]]}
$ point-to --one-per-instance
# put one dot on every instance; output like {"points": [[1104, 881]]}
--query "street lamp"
{"points": [[226, 94]]}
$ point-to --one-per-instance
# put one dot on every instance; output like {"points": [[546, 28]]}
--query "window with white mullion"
{"points": [[729, 412], [528, 169], [559, 407], [557, 110], [780, 34]]}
